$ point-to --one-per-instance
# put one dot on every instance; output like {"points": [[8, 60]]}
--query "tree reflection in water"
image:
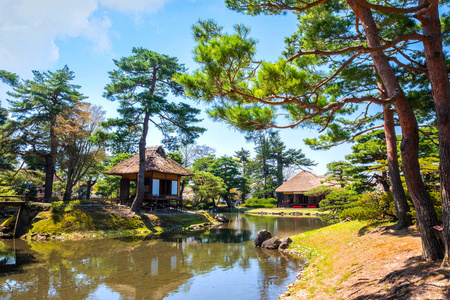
{"points": [[151, 268]]}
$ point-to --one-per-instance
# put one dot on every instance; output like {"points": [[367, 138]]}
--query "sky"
{"points": [[86, 35]]}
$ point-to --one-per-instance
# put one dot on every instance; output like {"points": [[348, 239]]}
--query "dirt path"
{"points": [[378, 264]]}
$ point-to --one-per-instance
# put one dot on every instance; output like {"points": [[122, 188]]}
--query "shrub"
{"points": [[57, 207], [72, 205], [371, 206], [338, 200], [203, 206], [260, 203]]}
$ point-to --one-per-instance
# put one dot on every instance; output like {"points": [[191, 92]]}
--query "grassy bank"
{"points": [[357, 260], [85, 222], [285, 211]]}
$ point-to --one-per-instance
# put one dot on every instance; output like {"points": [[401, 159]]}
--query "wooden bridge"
{"points": [[6, 201]]}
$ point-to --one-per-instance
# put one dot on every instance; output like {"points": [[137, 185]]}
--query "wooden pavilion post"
{"points": [[124, 193]]}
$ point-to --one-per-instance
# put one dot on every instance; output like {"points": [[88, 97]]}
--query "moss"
{"points": [[3, 249], [79, 223], [8, 223]]}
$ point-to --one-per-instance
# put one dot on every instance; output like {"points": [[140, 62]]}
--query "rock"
{"points": [[272, 243], [285, 243], [221, 219], [261, 236], [196, 227]]}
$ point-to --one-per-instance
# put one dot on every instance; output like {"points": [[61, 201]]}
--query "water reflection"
{"points": [[7, 255], [219, 263]]}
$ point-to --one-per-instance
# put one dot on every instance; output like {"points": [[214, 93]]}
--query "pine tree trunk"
{"points": [[384, 182], [437, 74], [69, 185], [89, 186], [426, 215], [137, 202], [398, 193], [49, 173], [50, 166], [68, 192], [279, 170]]}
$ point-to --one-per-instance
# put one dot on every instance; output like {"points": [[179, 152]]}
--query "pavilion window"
{"points": [[174, 187], [155, 187]]}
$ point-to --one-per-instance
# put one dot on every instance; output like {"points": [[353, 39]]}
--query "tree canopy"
{"points": [[35, 106], [141, 84]]}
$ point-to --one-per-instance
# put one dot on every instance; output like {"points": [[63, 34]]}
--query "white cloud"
{"points": [[29, 28]]}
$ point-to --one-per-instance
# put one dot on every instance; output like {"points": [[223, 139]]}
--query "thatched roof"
{"points": [[155, 160], [302, 182]]}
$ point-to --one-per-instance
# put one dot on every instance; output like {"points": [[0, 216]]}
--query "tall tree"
{"points": [[141, 83], [438, 76], [35, 107], [244, 157], [262, 169], [79, 154], [286, 157], [272, 158], [236, 81], [227, 169]]}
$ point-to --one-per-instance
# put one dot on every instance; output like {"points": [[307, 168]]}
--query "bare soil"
{"points": [[379, 264]]}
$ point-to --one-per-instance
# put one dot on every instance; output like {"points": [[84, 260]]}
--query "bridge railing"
{"points": [[13, 200]]}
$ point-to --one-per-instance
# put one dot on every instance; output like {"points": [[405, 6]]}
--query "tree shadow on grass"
{"points": [[417, 278], [378, 227]]}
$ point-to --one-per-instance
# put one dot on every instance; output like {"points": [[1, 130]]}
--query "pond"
{"points": [[220, 263]]}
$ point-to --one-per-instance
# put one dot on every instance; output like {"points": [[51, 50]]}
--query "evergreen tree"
{"points": [[244, 157], [207, 187], [250, 94], [227, 169], [141, 83], [35, 107]]}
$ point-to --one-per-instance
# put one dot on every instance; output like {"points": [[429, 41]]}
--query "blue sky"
{"points": [[87, 35]]}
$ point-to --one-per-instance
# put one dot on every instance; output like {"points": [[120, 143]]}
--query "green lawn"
{"points": [[285, 210]]}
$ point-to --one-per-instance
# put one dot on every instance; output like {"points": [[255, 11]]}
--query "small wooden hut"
{"points": [[162, 179], [293, 191]]}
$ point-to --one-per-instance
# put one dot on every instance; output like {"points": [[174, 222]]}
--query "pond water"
{"points": [[220, 263]]}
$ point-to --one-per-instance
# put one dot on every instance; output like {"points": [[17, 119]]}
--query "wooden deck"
{"points": [[157, 202]]}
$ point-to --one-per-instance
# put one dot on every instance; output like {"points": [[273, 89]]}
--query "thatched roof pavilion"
{"points": [[293, 191], [155, 161], [162, 178]]}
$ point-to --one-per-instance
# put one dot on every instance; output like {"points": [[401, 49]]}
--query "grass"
{"points": [[332, 251], [285, 210]]}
